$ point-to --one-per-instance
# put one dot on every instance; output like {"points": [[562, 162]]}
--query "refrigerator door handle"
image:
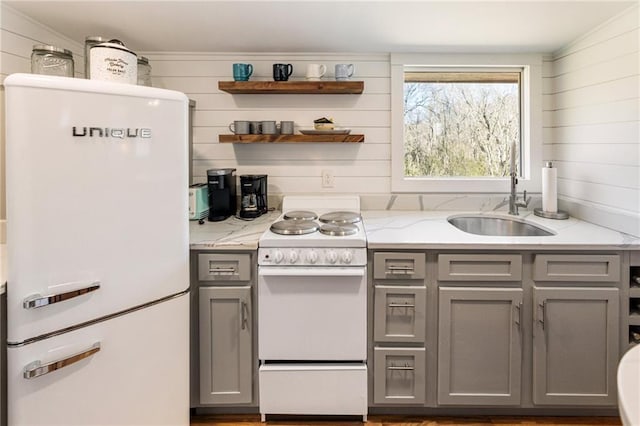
{"points": [[36, 369], [38, 301]]}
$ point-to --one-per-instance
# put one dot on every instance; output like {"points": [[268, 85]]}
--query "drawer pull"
{"points": [[38, 301], [401, 305], [36, 369], [222, 271], [400, 270], [401, 368]]}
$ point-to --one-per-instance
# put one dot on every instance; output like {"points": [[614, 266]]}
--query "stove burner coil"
{"points": [[294, 227], [341, 217], [338, 230], [300, 215]]}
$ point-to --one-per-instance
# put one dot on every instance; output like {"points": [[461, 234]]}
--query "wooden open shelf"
{"points": [[292, 87], [290, 138]]}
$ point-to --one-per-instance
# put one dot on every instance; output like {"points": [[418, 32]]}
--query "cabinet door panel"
{"points": [[399, 376], [480, 346], [575, 346], [225, 345], [399, 314]]}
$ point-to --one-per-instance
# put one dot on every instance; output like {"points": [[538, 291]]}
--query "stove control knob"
{"points": [[279, 257], [293, 257], [332, 256], [347, 257], [312, 257]]}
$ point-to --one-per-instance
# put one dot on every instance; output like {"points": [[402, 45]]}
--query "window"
{"points": [[458, 119]]}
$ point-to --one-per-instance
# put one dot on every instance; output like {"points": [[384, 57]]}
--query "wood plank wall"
{"points": [[592, 124], [357, 168]]}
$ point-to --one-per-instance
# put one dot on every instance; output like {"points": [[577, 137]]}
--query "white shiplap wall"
{"points": [[292, 168], [591, 128], [592, 124]]}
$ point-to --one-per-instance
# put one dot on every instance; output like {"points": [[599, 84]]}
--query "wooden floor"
{"points": [[254, 420]]}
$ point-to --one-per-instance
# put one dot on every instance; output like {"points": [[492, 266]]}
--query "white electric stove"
{"points": [[312, 309]]}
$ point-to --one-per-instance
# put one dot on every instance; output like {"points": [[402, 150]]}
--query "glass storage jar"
{"points": [[144, 71], [89, 42], [51, 60]]}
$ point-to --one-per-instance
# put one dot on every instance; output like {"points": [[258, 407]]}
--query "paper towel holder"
{"points": [[550, 215], [538, 211]]}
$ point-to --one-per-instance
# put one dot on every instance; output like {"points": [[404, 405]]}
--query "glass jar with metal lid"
{"points": [[144, 71], [89, 42], [51, 60]]}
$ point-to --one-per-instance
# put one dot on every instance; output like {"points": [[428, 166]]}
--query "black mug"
{"points": [[281, 72]]}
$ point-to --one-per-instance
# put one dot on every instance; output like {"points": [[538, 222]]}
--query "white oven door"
{"points": [[316, 313]]}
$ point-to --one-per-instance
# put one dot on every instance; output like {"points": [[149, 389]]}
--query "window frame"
{"points": [[531, 121]]}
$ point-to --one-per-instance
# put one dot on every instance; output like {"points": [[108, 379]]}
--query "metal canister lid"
{"points": [[143, 60], [548, 164], [96, 39], [115, 44], [52, 49]]}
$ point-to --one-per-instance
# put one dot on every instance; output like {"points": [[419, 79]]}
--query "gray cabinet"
{"points": [[226, 359], [399, 375], [399, 313], [575, 345], [480, 346], [399, 328]]}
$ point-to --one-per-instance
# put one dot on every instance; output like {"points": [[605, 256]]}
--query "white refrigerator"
{"points": [[98, 253]]}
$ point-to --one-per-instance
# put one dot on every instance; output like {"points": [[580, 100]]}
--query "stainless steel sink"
{"points": [[497, 226]]}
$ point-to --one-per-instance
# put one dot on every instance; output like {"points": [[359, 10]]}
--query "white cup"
{"points": [[344, 71], [315, 71]]}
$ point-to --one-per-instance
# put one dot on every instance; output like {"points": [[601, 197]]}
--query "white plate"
{"points": [[325, 132]]}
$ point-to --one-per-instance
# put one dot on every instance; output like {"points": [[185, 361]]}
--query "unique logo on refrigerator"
{"points": [[105, 132]]}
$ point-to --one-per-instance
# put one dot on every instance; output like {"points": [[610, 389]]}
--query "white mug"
{"points": [[344, 71], [315, 71]]}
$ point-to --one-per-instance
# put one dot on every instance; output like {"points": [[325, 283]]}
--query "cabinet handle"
{"points": [[394, 368], [244, 313], [36, 369], [542, 313], [38, 301], [222, 271], [401, 305], [404, 270], [519, 318]]}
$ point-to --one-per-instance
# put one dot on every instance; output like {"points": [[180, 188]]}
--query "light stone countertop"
{"points": [[430, 230], [409, 229], [230, 234]]}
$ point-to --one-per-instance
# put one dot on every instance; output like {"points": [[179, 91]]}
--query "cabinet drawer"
{"points": [[399, 376], [399, 313], [224, 267], [398, 266], [576, 267], [479, 267]]}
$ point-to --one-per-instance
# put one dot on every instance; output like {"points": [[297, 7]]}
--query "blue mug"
{"points": [[242, 72]]}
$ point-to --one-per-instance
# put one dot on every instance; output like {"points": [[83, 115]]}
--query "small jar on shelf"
{"points": [[51, 60]]}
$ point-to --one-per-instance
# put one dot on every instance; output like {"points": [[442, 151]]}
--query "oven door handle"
{"points": [[314, 272]]}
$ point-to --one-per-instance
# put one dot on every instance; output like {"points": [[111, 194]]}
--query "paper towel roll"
{"points": [[549, 188]]}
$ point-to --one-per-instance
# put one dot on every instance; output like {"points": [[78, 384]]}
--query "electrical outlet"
{"points": [[327, 179]]}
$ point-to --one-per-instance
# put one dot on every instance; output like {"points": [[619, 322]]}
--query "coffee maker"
{"points": [[253, 198], [222, 193]]}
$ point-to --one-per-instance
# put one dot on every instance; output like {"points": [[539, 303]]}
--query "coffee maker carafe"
{"points": [[253, 198], [222, 193]]}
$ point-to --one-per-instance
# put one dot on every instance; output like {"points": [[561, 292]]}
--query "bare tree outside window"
{"points": [[460, 124]]}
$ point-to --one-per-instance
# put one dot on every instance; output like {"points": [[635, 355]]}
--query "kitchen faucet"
{"points": [[514, 203]]}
